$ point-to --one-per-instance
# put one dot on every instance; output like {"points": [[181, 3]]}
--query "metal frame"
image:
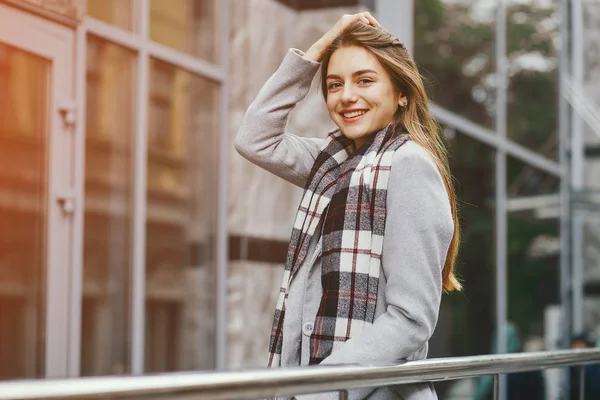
{"points": [[54, 43], [501, 212], [285, 382], [576, 178], [565, 192], [79, 193], [491, 138], [138, 281], [223, 200], [141, 40]]}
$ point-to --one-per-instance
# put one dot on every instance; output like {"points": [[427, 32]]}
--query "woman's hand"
{"points": [[315, 52]]}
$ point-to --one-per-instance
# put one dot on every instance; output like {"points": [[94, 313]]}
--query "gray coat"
{"points": [[418, 232]]}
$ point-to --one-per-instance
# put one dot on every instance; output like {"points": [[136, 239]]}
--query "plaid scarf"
{"points": [[348, 189]]}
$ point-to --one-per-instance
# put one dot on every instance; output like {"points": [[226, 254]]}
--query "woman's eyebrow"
{"points": [[364, 71], [356, 73]]}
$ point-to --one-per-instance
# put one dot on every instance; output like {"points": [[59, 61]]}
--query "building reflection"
{"points": [[180, 220], [180, 204], [23, 211]]}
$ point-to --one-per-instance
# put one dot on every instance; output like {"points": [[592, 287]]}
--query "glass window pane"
{"points": [[533, 263], [467, 319], [454, 46], [190, 26], [24, 90], [181, 220], [533, 257], [108, 209], [119, 13], [532, 41]]}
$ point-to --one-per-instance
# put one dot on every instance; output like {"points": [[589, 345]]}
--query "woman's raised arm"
{"points": [[261, 137]]}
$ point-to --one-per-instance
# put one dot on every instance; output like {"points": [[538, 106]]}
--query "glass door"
{"points": [[36, 208]]}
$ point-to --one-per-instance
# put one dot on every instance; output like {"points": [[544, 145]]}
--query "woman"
{"points": [[376, 234]]}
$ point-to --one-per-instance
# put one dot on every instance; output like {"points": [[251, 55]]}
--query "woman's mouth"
{"points": [[353, 115]]}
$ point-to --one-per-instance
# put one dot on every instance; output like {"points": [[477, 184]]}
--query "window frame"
{"points": [[139, 42], [54, 43]]}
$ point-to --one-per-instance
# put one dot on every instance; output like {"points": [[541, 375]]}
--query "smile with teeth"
{"points": [[353, 114]]}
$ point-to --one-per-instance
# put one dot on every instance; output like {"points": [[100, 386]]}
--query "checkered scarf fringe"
{"points": [[349, 192]]}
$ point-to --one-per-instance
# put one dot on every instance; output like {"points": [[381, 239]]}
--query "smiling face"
{"points": [[361, 98]]}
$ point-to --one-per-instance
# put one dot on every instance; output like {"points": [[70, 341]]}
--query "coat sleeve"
{"points": [[417, 236], [262, 139]]}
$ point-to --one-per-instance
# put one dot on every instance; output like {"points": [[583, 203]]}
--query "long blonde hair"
{"points": [[415, 117]]}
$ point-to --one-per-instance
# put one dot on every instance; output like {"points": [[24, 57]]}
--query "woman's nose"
{"points": [[348, 95]]}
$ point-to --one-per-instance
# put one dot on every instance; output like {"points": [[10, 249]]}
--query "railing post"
{"points": [[496, 386], [343, 395], [581, 382]]}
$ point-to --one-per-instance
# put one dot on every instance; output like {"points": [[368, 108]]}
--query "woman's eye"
{"points": [[364, 81], [334, 85]]}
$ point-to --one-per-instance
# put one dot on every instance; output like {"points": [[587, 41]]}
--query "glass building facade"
{"points": [[133, 239]]}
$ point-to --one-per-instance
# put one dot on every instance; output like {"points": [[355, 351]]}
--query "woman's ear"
{"points": [[402, 101]]}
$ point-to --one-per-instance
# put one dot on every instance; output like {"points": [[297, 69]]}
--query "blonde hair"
{"points": [[415, 117]]}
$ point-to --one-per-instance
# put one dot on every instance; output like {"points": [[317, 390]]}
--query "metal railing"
{"points": [[282, 382]]}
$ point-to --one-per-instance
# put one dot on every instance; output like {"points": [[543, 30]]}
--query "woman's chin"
{"points": [[355, 134]]}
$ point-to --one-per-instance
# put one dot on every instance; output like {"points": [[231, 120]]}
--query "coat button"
{"points": [[307, 329]]}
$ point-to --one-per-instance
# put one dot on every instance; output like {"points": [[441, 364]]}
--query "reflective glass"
{"points": [[533, 33], [24, 148], [454, 46], [533, 272], [105, 329], [115, 12], [466, 321], [190, 26], [183, 129]]}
